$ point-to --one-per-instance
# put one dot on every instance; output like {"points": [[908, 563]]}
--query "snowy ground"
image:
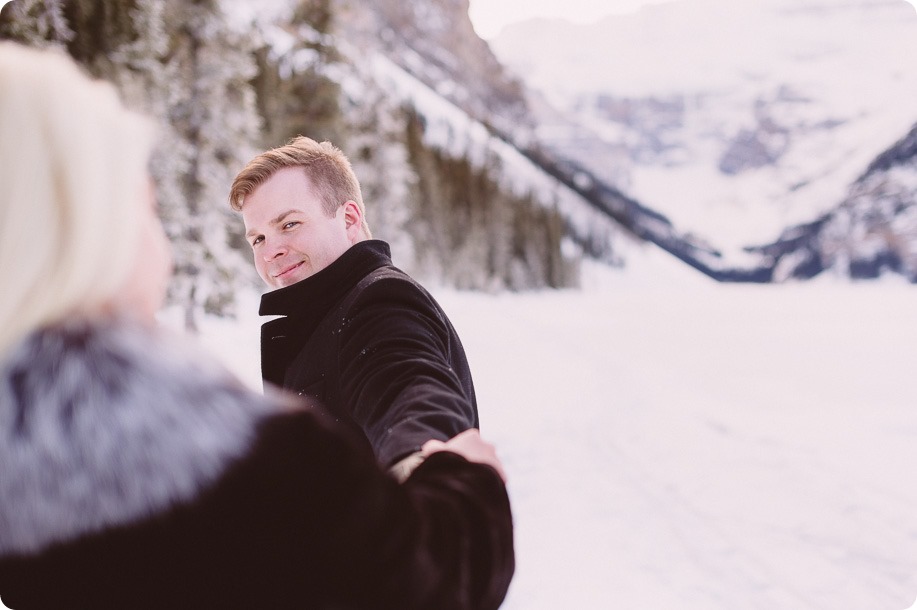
{"points": [[674, 443]]}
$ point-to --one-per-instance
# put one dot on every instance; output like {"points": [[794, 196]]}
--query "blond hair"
{"points": [[73, 162], [327, 167]]}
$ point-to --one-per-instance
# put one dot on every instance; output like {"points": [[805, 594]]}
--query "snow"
{"points": [[491, 16], [243, 14], [676, 443]]}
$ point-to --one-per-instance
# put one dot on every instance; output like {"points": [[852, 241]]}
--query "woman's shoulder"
{"points": [[105, 424], [114, 372]]}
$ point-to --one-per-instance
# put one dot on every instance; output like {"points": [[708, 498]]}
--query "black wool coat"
{"points": [[374, 348], [134, 475]]}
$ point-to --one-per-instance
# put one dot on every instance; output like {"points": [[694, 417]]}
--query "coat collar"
{"points": [[317, 293]]}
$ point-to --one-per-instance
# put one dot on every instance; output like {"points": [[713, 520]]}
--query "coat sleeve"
{"points": [[395, 373], [471, 533], [443, 539]]}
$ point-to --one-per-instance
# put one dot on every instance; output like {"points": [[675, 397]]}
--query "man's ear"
{"points": [[353, 220]]}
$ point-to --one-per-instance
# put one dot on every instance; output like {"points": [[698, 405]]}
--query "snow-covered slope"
{"points": [[435, 42], [733, 118]]}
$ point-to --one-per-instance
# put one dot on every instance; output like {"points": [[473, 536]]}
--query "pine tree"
{"points": [[376, 148], [37, 23], [213, 127], [295, 91], [180, 62]]}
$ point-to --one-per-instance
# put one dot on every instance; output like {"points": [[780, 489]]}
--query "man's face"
{"points": [[290, 234]]}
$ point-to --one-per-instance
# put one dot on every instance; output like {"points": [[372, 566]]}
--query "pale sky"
{"points": [[489, 16]]}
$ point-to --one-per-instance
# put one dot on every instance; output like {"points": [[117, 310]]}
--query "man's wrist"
{"points": [[405, 466]]}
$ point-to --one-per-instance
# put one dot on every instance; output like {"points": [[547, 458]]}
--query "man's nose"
{"points": [[274, 249]]}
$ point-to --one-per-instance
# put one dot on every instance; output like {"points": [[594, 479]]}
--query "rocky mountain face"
{"points": [[435, 43], [872, 232]]}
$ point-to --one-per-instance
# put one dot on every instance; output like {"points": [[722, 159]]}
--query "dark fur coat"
{"points": [[134, 474]]}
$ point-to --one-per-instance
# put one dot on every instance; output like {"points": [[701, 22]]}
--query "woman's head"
{"points": [[75, 197]]}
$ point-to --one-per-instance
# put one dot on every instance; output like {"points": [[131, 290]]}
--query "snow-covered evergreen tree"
{"points": [[213, 127], [37, 23], [180, 62], [297, 84], [375, 144]]}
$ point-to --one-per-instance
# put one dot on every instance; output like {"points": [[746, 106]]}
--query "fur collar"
{"points": [[102, 426]]}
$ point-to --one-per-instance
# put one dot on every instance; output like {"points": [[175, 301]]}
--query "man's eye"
{"points": [[257, 240], [290, 224]]}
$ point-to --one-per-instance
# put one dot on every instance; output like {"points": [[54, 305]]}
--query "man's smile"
{"points": [[289, 269]]}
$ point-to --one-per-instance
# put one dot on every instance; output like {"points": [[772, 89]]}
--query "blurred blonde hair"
{"points": [[326, 165], [73, 163]]}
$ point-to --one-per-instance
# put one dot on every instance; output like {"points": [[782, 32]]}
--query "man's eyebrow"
{"points": [[274, 221]]}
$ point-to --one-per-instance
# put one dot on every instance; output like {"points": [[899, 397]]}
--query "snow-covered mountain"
{"points": [[873, 231], [733, 119]]}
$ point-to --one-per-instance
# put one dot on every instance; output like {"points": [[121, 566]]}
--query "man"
{"points": [[357, 333]]}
